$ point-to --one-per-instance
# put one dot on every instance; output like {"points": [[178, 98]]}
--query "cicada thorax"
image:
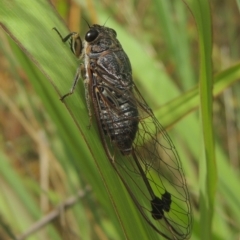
{"points": [[110, 84]]}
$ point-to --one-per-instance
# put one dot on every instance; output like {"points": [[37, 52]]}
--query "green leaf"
{"points": [[201, 12]]}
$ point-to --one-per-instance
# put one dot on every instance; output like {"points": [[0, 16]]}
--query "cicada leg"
{"points": [[75, 81]]}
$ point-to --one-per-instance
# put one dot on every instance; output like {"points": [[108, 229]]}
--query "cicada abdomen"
{"points": [[120, 124]]}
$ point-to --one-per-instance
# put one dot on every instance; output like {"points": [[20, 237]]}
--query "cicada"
{"points": [[127, 124]]}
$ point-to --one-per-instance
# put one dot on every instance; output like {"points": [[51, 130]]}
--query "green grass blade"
{"points": [[178, 47], [208, 172], [187, 102]]}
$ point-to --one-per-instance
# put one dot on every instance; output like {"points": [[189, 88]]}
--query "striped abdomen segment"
{"points": [[120, 124]]}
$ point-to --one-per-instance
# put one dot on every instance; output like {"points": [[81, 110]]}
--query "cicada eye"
{"points": [[91, 35]]}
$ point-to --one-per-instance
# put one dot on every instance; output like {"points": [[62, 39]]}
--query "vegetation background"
{"points": [[185, 59]]}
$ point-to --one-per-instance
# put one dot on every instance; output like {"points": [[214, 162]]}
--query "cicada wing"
{"points": [[156, 154], [152, 173]]}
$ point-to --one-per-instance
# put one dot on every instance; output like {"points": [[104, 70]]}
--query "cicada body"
{"points": [[110, 86], [128, 125]]}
